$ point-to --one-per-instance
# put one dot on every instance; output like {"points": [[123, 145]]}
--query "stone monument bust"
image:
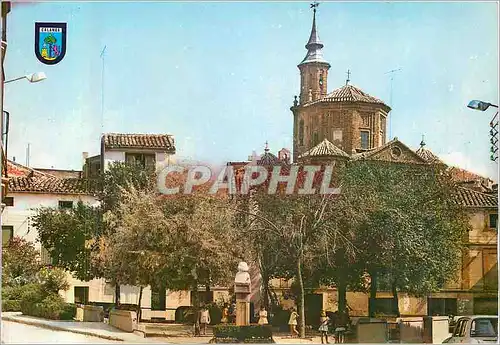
{"points": [[242, 277]]}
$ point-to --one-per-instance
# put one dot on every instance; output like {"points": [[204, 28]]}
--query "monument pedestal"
{"points": [[242, 292]]}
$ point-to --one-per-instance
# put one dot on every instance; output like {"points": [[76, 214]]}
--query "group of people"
{"points": [[340, 324], [339, 321]]}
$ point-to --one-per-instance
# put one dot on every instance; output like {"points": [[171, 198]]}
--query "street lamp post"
{"points": [[483, 106], [32, 78]]}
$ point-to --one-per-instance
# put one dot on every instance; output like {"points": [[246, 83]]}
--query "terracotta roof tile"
{"points": [[325, 148], [427, 155], [16, 170], [349, 93], [471, 198], [52, 185], [141, 141], [462, 175]]}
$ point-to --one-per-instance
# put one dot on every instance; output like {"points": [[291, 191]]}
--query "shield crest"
{"points": [[50, 42]]}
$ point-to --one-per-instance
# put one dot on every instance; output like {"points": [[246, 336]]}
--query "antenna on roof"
{"points": [[102, 89], [28, 155], [391, 72]]}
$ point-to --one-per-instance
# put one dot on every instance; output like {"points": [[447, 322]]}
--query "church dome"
{"points": [[350, 93], [268, 159], [426, 154]]}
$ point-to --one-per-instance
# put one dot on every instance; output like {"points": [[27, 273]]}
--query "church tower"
{"points": [[314, 68], [345, 120]]}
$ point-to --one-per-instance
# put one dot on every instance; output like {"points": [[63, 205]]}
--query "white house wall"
{"points": [[162, 158], [25, 205]]}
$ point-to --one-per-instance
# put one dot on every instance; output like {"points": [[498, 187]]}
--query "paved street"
{"points": [[16, 333]]}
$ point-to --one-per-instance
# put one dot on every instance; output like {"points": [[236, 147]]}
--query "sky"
{"points": [[221, 76]]}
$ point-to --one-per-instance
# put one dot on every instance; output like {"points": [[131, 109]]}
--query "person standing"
{"points": [[323, 326], [225, 314], [204, 320], [292, 322], [263, 316], [341, 326]]}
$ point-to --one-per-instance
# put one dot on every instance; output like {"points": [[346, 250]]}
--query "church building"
{"points": [[348, 117]]}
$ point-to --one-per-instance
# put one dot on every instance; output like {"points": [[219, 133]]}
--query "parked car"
{"points": [[475, 329]]}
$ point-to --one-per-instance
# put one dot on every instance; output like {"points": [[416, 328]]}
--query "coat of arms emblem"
{"points": [[50, 42]]}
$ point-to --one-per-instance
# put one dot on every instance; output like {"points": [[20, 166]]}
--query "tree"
{"points": [[408, 215], [73, 236], [302, 225], [70, 237], [132, 253], [20, 262]]}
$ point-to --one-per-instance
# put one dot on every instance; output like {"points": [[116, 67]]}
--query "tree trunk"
{"points": [[196, 308], [395, 300], [117, 294], [302, 316], [139, 309], [373, 294], [342, 296], [266, 292]]}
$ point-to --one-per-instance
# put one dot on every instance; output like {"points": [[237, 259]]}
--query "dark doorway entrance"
{"points": [[81, 294], [312, 308]]}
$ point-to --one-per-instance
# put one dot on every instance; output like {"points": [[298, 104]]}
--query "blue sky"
{"points": [[221, 77]]}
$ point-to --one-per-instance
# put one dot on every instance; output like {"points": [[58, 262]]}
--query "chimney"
{"points": [[85, 155], [14, 158]]}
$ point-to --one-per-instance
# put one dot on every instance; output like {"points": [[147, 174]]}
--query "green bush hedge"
{"points": [[11, 305], [35, 302], [252, 333]]}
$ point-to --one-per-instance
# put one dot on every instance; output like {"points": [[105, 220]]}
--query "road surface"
{"points": [[17, 333]]}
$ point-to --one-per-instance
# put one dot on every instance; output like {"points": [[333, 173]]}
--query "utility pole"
{"points": [[102, 89], [391, 72], [4, 11]]}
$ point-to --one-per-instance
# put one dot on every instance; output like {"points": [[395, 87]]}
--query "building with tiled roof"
{"points": [[348, 117], [157, 142], [147, 149], [473, 199], [52, 185]]}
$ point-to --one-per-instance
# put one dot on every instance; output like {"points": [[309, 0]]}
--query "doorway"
{"points": [[81, 294], [312, 308]]}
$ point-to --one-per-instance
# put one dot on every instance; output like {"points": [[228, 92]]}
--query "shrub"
{"points": [[11, 305], [252, 333], [53, 280], [68, 312], [12, 292], [51, 307], [31, 295]]}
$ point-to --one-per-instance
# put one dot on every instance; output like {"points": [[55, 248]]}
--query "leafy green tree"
{"points": [[20, 263], [70, 237], [408, 215], [53, 280], [73, 237], [301, 227]]}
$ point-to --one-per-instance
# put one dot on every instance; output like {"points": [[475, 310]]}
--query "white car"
{"points": [[477, 329]]}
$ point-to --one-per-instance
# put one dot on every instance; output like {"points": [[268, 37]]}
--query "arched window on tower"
{"points": [[301, 132]]}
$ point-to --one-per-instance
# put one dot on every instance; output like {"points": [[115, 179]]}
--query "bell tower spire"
{"points": [[314, 67]]}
